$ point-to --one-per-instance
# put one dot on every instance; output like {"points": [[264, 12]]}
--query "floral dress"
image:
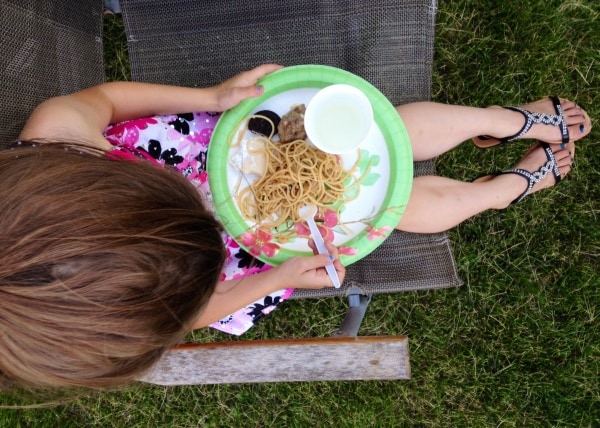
{"points": [[181, 141]]}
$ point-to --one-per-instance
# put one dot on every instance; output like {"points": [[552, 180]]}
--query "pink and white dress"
{"points": [[181, 141]]}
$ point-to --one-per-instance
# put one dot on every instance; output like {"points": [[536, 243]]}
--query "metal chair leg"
{"points": [[358, 306]]}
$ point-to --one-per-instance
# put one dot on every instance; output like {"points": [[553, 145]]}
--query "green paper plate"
{"points": [[385, 159]]}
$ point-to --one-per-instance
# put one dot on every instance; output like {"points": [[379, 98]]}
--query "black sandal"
{"points": [[551, 166], [486, 141]]}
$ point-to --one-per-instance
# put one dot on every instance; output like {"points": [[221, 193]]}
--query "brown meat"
{"points": [[291, 126]]}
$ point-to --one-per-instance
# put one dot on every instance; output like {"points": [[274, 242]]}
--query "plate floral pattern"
{"points": [[384, 165]]}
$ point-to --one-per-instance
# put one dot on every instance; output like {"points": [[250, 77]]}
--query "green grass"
{"points": [[518, 344]]}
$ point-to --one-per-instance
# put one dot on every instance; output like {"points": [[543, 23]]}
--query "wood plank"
{"points": [[284, 360]]}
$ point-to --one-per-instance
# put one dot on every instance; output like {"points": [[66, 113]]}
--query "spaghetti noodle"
{"points": [[295, 174]]}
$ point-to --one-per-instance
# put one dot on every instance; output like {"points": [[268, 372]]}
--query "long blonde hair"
{"points": [[104, 264]]}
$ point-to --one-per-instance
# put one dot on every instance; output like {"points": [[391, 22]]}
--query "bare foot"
{"points": [[535, 162], [577, 121]]}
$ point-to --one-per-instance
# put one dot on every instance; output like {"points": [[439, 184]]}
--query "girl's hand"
{"points": [[232, 91], [309, 272], [297, 272]]}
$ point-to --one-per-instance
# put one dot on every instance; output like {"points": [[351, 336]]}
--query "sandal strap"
{"points": [[564, 130], [531, 118], [551, 161], [551, 166]]}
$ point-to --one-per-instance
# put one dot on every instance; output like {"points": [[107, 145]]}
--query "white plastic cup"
{"points": [[338, 119]]}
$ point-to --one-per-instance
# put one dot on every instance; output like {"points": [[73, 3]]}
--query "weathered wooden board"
{"points": [[287, 360]]}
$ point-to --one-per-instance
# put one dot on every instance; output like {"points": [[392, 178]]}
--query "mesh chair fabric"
{"points": [[388, 42], [48, 49], [184, 42]]}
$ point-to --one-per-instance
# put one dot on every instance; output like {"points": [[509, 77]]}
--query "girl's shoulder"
{"points": [[65, 119]]}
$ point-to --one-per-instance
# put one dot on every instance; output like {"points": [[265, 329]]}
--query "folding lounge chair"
{"points": [[51, 50]]}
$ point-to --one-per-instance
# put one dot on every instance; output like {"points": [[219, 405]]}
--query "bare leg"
{"points": [[435, 128], [438, 203]]}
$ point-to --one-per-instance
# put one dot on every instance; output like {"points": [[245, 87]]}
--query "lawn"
{"points": [[518, 344]]}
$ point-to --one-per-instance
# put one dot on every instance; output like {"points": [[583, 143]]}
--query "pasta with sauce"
{"points": [[295, 174]]}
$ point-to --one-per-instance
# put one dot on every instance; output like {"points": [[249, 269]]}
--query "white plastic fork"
{"points": [[308, 212]]}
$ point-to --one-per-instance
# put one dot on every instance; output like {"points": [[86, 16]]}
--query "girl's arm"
{"points": [[297, 272], [84, 115]]}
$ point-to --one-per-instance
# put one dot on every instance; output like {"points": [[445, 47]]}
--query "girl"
{"points": [[107, 260]]}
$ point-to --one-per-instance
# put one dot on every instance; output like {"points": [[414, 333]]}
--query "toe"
{"points": [[579, 125], [574, 113], [567, 105], [564, 158]]}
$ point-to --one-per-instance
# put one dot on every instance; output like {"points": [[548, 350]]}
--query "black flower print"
{"points": [[181, 124], [226, 320], [154, 149], [247, 260], [257, 309], [170, 156]]}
